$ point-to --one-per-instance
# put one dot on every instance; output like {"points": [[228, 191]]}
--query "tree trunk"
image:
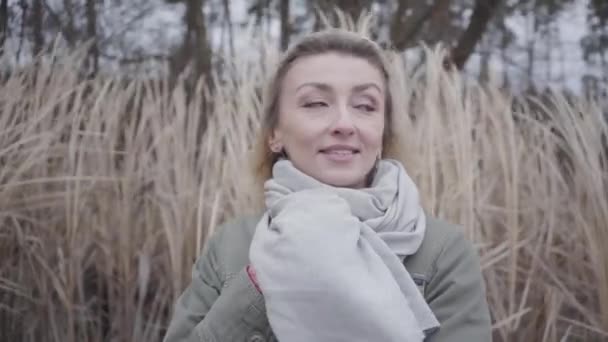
{"points": [[3, 24], [93, 58], [531, 48], [24, 22], [195, 51], [353, 8], [439, 23], [482, 13], [285, 25], [259, 12], [36, 20], [404, 28], [228, 22], [199, 51], [70, 30]]}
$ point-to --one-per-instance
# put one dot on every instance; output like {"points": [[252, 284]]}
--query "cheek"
{"points": [[373, 133], [299, 133]]}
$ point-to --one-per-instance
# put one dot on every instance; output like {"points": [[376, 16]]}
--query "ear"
{"points": [[275, 142]]}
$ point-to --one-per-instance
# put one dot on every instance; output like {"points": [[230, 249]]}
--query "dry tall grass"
{"points": [[108, 191]]}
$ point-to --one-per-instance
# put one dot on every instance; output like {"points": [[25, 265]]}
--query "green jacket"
{"points": [[222, 305]]}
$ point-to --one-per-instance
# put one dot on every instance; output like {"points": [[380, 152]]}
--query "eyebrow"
{"points": [[318, 85], [364, 86], [327, 87]]}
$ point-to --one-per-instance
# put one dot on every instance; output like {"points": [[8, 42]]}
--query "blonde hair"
{"points": [[327, 41]]}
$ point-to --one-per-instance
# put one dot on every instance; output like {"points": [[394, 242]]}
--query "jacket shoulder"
{"points": [[438, 234], [456, 290], [230, 242]]}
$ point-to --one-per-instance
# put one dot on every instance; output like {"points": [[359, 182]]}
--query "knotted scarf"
{"points": [[328, 259]]}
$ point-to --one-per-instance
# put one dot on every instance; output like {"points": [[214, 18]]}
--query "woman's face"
{"points": [[331, 118]]}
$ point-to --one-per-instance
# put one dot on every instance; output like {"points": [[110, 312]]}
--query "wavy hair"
{"points": [[331, 40]]}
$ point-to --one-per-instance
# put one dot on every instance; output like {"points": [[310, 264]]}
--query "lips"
{"points": [[340, 154]]}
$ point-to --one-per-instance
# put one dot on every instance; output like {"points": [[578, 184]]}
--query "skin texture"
{"points": [[331, 118]]}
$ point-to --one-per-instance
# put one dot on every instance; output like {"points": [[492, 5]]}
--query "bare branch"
{"points": [[127, 27]]}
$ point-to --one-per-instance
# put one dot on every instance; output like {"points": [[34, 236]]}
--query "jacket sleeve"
{"points": [[209, 311], [456, 294]]}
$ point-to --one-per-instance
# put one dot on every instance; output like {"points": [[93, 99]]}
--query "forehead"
{"points": [[333, 69]]}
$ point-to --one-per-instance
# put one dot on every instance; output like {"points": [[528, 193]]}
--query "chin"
{"points": [[343, 181]]}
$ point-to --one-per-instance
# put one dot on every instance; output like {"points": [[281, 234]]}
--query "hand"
{"points": [[253, 277], [310, 231]]}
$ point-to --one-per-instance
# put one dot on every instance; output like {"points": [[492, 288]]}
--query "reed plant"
{"points": [[110, 186]]}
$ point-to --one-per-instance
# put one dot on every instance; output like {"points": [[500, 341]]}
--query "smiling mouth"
{"points": [[339, 150], [340, 154]]}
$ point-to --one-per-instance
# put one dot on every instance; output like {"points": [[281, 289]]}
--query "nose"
{"points": [[344, 123]]}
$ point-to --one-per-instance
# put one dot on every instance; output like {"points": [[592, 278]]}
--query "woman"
{"points": [[344, 251]]}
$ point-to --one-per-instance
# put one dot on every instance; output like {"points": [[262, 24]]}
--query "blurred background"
{"points": [[126, 127], [529, 44]]}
